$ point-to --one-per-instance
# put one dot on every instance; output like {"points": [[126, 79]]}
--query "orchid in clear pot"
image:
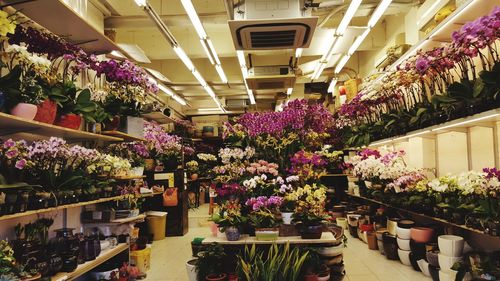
{"points": [[263, 216]]}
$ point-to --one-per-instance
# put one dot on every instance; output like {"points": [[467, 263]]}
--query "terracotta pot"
{"points": [[372, 240], [216, 277], [46, 112], [422, 234], [70, 121], [24, 110]]}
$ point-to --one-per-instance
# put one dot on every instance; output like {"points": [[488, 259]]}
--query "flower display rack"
{"points": [[122, 135], [26, 129], [76, 28], [438, 220], [86, 267], [326, 238]]}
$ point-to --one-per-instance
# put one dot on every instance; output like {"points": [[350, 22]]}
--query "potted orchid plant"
{"points": [[230, 220], [263, 216]]}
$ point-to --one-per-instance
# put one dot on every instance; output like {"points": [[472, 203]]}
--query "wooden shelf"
{"points": [[335, 175], [326, 238], [439, 220], [130, 219], [17, 127], [122, 135], [60, 18], [158, 117], [86, 267], [129, 178], [487, 118]]}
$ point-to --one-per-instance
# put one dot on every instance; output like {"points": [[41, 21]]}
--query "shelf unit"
{"points": [[68, 206], [86, 267], [438, 220], [31, 130], [122, 135], [487, 118], [75, 28]]}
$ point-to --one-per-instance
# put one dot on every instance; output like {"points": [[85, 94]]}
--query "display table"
{"points": [[326, 238]]}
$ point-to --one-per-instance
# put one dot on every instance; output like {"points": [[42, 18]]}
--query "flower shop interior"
{"points": [[253, 140]]}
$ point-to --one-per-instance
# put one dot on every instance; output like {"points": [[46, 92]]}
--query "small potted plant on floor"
{"points": [[210, 264]]}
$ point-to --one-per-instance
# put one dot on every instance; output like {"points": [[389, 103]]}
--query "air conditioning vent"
{"points": [[236, 104], [271, 24], [270, 77]]}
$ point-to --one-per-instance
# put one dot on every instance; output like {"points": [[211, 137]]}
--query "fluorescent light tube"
{"points": [[318, 70], [342, 63], [221, 73], [209, 109], [379, 11], [250, 96], [212, 50], [241, 58], [209, 91], [184, 58], [298, 52], [244, 72], [179, 100], [349, 14], [207, 51], [357, 42], [430, 10], [141, 3], [193, 16], [165, 89], [200, 79], [331, 87], [289, 91]]}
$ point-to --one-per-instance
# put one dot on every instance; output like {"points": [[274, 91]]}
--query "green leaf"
{"points": [[478, 88], [460, 90]]}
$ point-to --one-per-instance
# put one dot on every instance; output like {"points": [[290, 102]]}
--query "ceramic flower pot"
{"points": [[191, 269], [422, 234], [380, 245], [216, 277], [46, 112], [70, 121], [232, 233], [392, 225], [446, 262], [380, 232], [451, 245], [403, 233], [418, 249], [432, 258], [24, 110], [447, 275], [424, 267], [311, 231], [287, 217], [390, 246], [404, 244], [342, 222], [404, 257], [266, 234], [137, 171], [406, 224], [372, 240], [332, 251]]}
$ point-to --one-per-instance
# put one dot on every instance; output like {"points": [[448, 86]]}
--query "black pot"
{"points": [[42, 265], [70, 263], [55, 264], [353, 230], [418, 250], [493, 228], [390, 246], [89, 249], [413, 260], [311, 231], [10, 202], [434, 271]]}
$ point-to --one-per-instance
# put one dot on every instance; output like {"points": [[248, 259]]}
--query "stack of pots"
{"points": [[389, 239], [420, 236], [331, 256], [352, 219], [451, 249], [380, 242], [403, 239]]}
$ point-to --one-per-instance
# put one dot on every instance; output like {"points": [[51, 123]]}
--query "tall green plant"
{"points": [[280, 264]]}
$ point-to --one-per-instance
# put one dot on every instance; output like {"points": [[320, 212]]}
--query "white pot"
{"points": [[404, 233], [446, 262], [342, 222], [424, 267], [356, 190], [449, 275], [137, 171], [404, 244], [324, 278], [287, 217], [191, 270], [404, 257], [451, 245], [331, 251], [368, 184]]}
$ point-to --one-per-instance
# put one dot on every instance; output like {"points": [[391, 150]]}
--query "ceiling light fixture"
{"points": [[207, 44], [342, 63], [153, 15], [332, 85], [244, 72], [379, 11], [298, 52], [357, 42], [289, 91], [171, 93], [430, 10], [349, 14]]}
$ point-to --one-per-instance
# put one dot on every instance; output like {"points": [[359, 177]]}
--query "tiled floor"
{"points": [[170, 255]]}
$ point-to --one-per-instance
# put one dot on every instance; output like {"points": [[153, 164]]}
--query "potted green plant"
{"points": [[287, 209], [266, 224], [210, 264], [77, 106], [230, 220], [192, 169]]}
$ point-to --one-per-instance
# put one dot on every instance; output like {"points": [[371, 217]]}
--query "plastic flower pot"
{"points": [[422, 234], [46, 112], [406, 224], [404, 257], [70, 121], [191, 269], [232, 233], [451, 245], [24, 110], [216, 277], [266, 234], [287, 217]]}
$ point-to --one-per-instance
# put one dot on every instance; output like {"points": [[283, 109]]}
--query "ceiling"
{"points": [[133, 26]]}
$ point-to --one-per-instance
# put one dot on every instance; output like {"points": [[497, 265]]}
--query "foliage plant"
{"points": [[210, 261]]}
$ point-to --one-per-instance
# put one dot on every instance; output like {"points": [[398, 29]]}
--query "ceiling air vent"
{"points": [[271, 24], [270, 77]]}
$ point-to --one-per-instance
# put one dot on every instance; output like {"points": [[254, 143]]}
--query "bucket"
{"points": [[157, 222], [141, 259]]}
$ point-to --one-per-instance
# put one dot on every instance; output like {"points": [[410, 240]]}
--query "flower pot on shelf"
{"points": [[137, 171], [390, 246], [232, 233], [193, 176], [311, 231], [372, 240], [46, 112], [216, 277], [266, 234], [149, 164], [24, 110], [451, 245], [287, 217], [70, 121]]}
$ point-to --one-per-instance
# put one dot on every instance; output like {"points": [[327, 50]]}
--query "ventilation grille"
{"points": [[273, 39]]}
